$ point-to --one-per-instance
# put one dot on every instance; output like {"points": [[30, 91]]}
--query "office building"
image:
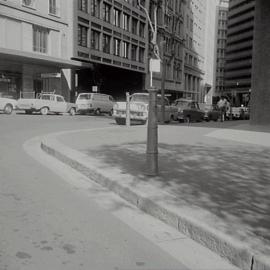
{"points": [[170, 39], [112, 37], [239, 45], [199, 28], [36, 47], [221, 38]]}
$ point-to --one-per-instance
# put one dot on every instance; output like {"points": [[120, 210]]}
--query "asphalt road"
{"points": [[52, 218]]}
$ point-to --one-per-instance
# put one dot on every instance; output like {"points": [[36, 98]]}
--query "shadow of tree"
{"points": [[230, 182]]}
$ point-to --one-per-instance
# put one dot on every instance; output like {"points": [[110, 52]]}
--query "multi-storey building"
{"points": [[221, 37], [199, 47], [170, 39], [239, 50], [35, 46], [112, 36]]}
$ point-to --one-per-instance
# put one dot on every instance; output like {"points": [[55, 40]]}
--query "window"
{"points": [[125, 47], [28, 3], [60, 99], [125, 21], [133, 52], [141, 55], [40, 39], [82, 35], [95, 37], [116, 46], [106, 12], [141, 30], [83, 5], [95, 8], [106, 43], [134, 26], [116, 17], [53, 7]]}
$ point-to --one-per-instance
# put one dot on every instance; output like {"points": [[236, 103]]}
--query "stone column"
{"points": [[260, 89]]}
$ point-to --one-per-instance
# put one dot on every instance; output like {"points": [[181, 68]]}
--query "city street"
{"points": [[55, 220]]}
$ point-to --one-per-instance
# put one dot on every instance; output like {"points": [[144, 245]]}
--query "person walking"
{"points": [[222, 105]]}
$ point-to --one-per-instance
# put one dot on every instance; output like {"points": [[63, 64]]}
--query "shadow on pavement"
{"points": [[230, 182]]}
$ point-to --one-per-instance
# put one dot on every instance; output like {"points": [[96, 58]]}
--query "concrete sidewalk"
{"points": [[213, 184]]}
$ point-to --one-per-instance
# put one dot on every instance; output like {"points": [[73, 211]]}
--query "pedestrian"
{"points": [[222, 105]]}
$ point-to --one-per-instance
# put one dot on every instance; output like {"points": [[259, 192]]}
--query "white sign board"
{"points": [[154, 65], [94, 88]]}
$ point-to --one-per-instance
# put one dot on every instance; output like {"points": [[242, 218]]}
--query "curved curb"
{"points": [[235, 252]]}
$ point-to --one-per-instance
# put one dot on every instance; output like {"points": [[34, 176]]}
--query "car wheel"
{"points": [[44, 110], [8, 109], [72, 111], [97, 112], [111, 112]]}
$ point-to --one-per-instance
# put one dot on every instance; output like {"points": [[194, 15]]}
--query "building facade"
{"points": [[239, 45], [112, 36], [170, 39], [221, 39], [199, 34], [35, 47]]}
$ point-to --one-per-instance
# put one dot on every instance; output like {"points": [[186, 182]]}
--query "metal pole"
{"points": [[127, 109], [152, 135], [162, 120]]}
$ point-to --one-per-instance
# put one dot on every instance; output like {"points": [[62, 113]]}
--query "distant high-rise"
{"points": [[221, 37], [200, 20], [239, 50]]}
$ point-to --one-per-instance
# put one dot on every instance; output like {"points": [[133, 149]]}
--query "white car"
{"points": [[7, 105], [46, 103], [94, 102], [139, 109]]}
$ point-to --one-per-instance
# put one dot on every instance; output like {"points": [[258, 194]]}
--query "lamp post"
{"points": [[152, 127]]}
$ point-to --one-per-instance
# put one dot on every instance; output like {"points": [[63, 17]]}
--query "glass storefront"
{"points": [[10, 84]]}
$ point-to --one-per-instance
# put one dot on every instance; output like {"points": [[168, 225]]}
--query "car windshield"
{"points": [[140, 98], [84, 96], [46, 97]]}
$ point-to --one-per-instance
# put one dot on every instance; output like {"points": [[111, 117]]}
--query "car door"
{"points": [[61, 105], [2, 103]]}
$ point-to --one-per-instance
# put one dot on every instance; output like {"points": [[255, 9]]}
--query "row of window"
{"points": [[53, 6], [115, 16], [105, 43]]}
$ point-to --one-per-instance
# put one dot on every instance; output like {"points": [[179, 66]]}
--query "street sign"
{"points": [[94, 88], [154, 65]]}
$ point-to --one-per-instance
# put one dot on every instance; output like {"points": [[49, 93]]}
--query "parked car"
{"points": [[46, 103], [139, 109], [94, 102], [211, 112], [188, 110], [238, 113], [7, 105]]}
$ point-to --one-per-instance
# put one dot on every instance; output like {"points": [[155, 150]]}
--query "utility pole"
{"points": [[152, 126]]}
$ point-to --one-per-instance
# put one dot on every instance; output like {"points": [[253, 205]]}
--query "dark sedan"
{"points": [[211, 112], [193, 113]]}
